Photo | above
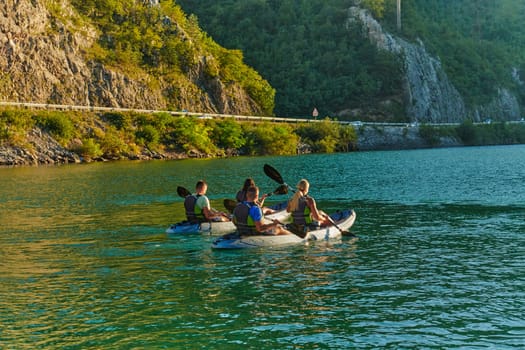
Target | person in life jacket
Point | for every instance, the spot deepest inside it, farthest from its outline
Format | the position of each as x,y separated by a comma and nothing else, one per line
241,196
248,217
198,207
304,209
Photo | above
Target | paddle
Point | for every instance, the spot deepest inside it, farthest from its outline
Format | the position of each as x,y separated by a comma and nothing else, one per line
229,204
283,189
344,233
181,191
272,173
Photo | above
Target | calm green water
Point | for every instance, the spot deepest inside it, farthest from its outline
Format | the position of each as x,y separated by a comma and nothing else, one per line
439,261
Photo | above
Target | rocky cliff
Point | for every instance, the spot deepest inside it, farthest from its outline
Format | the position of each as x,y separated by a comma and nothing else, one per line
430,97
40,149
43,59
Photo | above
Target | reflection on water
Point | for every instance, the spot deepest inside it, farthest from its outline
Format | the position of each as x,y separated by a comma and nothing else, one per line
438,261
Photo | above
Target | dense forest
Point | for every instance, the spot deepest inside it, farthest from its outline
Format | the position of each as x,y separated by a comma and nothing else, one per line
304,50
313,56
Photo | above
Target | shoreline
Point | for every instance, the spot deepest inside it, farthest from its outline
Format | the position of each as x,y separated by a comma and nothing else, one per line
42,149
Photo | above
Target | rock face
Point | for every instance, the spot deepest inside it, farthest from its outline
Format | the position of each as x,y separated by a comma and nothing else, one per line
43,149
42,60
504,106
430,97
397,137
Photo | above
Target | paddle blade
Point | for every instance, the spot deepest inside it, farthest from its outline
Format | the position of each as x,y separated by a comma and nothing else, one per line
349,234
273,174
229,204
283,189
181,191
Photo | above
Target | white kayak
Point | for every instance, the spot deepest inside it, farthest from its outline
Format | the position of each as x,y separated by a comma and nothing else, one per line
344,220
224,227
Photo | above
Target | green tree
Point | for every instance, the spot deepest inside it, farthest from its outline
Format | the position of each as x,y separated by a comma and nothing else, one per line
270,139
148,135
57,124
228,134
467,132
190,135
377,7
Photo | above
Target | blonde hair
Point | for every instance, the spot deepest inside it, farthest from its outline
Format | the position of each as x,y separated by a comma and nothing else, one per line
302,187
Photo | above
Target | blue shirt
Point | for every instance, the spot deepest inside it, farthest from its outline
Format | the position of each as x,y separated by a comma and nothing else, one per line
255,211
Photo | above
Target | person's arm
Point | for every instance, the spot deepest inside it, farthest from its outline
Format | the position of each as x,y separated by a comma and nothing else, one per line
207,213
265,227
316,215
257,216
211,213
260,202
204,203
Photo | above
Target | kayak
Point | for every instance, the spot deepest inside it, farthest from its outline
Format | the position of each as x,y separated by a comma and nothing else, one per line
343,219
223,227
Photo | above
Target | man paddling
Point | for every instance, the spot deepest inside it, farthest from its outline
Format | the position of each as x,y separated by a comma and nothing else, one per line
198,207
248,216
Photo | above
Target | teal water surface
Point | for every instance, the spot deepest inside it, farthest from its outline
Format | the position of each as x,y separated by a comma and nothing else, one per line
439,261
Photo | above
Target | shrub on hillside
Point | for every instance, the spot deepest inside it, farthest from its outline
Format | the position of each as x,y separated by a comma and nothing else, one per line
227,134
429,134
89,149
58,124
192,135
122,121
326,136
467,132
147,135
270,139
113,145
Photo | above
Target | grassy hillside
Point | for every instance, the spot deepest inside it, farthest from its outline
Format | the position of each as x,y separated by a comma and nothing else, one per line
135,36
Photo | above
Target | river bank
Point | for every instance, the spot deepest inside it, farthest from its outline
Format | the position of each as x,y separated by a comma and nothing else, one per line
33,138
41,148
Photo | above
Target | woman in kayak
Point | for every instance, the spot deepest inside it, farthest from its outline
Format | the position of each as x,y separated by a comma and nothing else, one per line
248,217
241,196
304,209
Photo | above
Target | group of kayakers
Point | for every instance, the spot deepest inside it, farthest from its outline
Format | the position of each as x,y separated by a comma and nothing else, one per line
249,212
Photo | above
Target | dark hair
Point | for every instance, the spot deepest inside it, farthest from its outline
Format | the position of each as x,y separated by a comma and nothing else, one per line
248,183
200,184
